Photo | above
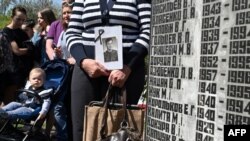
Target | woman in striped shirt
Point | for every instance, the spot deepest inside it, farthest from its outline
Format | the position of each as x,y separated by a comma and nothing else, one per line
90,79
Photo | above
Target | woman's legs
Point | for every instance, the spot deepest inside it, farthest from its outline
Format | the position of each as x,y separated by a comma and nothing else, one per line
82,92
135,85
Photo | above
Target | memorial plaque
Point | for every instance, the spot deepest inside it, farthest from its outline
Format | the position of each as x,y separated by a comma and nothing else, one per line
199,69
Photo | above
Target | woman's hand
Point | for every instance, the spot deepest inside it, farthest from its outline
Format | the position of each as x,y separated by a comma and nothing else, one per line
119,77
71,61
93,68
58,52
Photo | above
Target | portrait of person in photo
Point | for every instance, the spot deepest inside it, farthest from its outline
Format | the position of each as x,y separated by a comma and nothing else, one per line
110,49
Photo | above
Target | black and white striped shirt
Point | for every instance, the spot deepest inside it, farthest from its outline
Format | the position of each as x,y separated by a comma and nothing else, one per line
132,15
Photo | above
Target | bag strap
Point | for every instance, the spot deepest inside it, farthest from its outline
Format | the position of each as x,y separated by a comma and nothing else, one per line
105,114
106,101
124,123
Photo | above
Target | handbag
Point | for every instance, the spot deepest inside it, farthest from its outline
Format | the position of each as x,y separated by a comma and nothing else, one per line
106,121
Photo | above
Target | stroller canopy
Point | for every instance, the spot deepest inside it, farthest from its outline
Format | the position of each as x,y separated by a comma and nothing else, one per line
57,72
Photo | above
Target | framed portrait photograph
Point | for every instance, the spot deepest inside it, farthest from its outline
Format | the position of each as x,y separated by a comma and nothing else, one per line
108,46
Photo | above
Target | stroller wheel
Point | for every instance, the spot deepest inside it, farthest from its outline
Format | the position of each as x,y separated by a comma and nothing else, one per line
11,134
38,136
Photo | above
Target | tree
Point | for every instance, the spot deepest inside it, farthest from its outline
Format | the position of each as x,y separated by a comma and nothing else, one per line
4,21
4,6
32,7
40,3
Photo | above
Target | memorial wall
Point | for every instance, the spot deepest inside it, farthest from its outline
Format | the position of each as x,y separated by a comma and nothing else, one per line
199,69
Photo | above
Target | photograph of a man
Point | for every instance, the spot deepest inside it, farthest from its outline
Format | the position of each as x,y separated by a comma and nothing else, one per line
110,50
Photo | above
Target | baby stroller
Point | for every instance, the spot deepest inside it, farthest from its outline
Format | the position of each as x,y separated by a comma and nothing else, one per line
57,72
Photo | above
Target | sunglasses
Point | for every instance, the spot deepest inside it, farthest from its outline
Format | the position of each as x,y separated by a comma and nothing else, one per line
64,3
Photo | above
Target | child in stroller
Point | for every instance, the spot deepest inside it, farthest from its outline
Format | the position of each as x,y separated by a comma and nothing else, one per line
56,79
29,104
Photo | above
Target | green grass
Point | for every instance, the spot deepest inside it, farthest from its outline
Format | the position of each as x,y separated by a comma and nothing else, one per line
4,21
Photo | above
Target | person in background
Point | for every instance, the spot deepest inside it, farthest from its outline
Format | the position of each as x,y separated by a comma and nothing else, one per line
45,18
6,63
61,51
56,29
52,38
21,53
90,79
56,48
28,27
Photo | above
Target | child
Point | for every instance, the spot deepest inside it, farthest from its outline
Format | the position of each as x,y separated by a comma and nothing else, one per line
16,110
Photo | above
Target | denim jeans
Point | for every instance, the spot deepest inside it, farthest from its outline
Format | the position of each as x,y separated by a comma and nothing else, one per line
17,110
60,121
